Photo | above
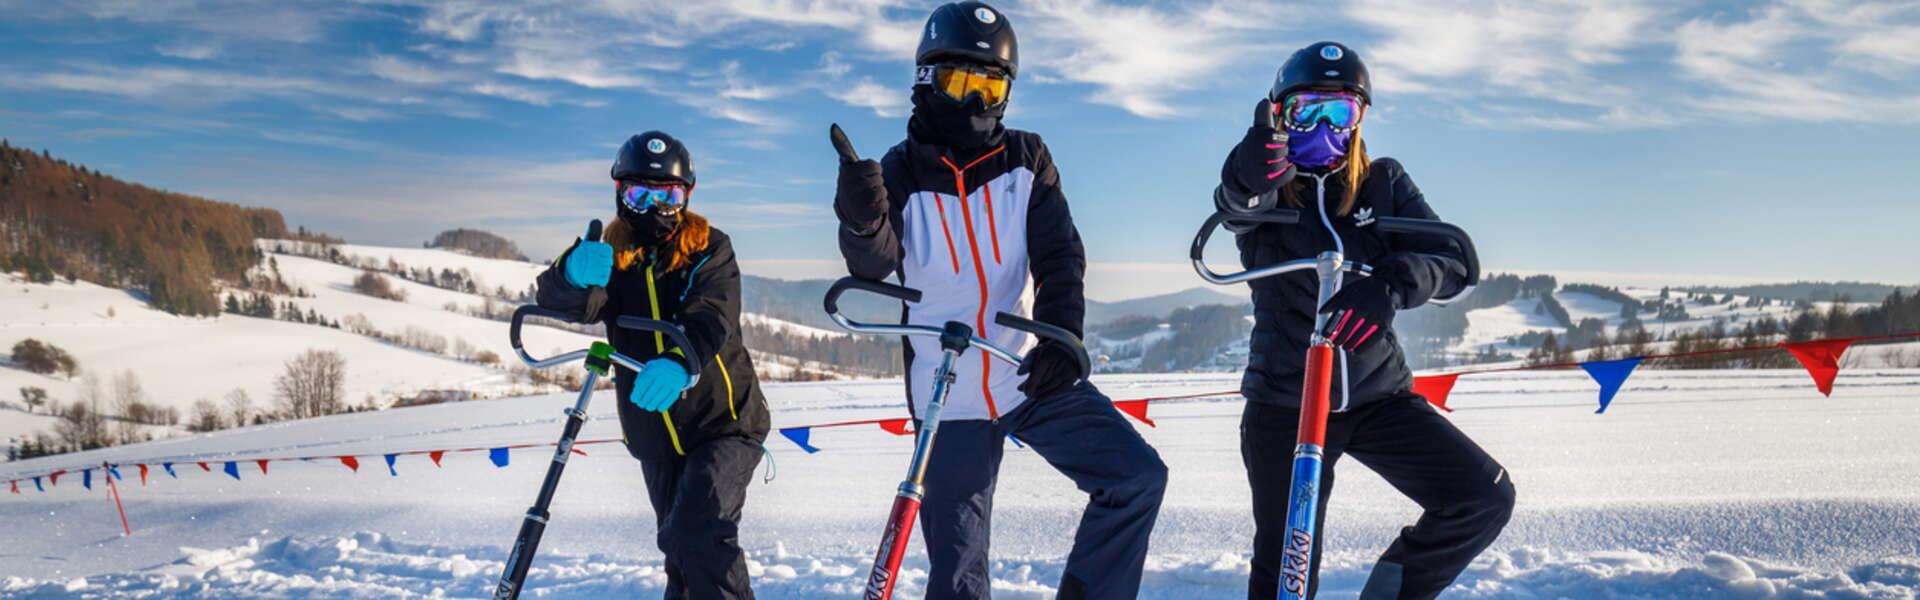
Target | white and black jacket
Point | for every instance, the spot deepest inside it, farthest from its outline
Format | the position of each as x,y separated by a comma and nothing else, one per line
984,232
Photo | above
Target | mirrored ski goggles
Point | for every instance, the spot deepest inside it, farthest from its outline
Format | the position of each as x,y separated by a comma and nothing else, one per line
1302,111
641,197
959,81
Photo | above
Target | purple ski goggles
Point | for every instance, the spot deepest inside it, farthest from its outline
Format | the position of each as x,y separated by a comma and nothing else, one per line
641,197
1301,111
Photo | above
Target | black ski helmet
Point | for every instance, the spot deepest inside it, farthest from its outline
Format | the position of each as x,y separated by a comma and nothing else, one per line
654,156
969,30
1320,65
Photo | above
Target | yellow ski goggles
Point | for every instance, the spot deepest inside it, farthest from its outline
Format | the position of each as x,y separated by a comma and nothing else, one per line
959,81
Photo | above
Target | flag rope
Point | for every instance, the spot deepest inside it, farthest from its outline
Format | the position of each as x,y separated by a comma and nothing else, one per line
894,425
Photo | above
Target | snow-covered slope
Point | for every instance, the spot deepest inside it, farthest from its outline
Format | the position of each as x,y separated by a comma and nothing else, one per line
182,359
1498,325
1694,485
179,360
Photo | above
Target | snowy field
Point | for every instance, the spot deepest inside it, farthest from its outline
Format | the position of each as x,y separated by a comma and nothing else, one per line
1693,485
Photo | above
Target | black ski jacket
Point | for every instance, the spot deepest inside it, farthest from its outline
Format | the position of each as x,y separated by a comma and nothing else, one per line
977,232
1420,268
704,300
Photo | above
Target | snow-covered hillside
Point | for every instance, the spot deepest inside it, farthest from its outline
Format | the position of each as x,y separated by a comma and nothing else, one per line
179,360
1500,325
1694,485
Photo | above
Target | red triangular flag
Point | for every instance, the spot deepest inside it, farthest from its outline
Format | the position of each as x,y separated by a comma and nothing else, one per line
351,463
263,465
143,475
578,451
54,477
1822,360
435,455
204,467
1435,388
1136,409
896,426
15,484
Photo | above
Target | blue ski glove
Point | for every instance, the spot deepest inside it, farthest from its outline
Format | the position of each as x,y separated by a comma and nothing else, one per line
658,385
590,264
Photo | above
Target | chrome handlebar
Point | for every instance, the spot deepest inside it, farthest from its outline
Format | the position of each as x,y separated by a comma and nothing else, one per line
906,294
1400,225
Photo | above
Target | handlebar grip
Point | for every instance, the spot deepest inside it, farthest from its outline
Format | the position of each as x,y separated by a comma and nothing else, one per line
878,287
673,332
1404,225
525,310
1051,332
1278,216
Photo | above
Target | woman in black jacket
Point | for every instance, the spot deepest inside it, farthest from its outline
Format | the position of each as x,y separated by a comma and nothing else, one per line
1314,161
697,450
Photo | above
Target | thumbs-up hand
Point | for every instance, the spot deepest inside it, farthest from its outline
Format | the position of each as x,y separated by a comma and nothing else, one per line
590,263
1258,164
860,199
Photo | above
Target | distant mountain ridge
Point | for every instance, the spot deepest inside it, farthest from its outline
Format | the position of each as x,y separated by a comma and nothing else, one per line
1810,291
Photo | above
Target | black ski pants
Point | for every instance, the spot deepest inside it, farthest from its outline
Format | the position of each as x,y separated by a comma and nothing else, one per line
1466,495
697,500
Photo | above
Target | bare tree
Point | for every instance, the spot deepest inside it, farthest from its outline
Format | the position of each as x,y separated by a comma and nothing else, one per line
82,426
313,384
205,417
239,406
92,412
129,401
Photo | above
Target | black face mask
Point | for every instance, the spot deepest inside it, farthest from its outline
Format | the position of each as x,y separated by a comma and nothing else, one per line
651,228
941,121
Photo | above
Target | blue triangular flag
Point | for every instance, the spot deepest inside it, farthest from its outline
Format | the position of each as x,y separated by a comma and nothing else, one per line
114,470
86,478
1016,441
498,456
232,470
1610,375
390,469
169,469
37,486
799,436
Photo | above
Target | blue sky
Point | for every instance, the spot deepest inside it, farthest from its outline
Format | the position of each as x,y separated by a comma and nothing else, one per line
1603,140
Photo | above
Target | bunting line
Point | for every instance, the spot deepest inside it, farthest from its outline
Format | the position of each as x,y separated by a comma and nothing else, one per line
1821,359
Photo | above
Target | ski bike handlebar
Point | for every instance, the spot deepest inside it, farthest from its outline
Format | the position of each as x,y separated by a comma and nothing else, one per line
907,294
1400,225
674,335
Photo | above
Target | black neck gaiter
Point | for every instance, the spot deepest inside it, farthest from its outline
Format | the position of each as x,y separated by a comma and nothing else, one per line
940,121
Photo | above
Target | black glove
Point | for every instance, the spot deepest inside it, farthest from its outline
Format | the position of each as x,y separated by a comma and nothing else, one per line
1049,368
1258,164
1360,313
861,198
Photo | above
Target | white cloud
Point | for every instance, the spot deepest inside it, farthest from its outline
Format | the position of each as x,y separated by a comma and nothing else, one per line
189,50
401,70
1599,65
1140,57
1550,53
884,100
834,80
1805,61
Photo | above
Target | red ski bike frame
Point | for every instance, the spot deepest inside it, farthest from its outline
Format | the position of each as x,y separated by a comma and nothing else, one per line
1303,503
955,338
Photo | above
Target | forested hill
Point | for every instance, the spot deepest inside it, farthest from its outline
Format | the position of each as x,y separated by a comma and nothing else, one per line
59,219
1810,291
